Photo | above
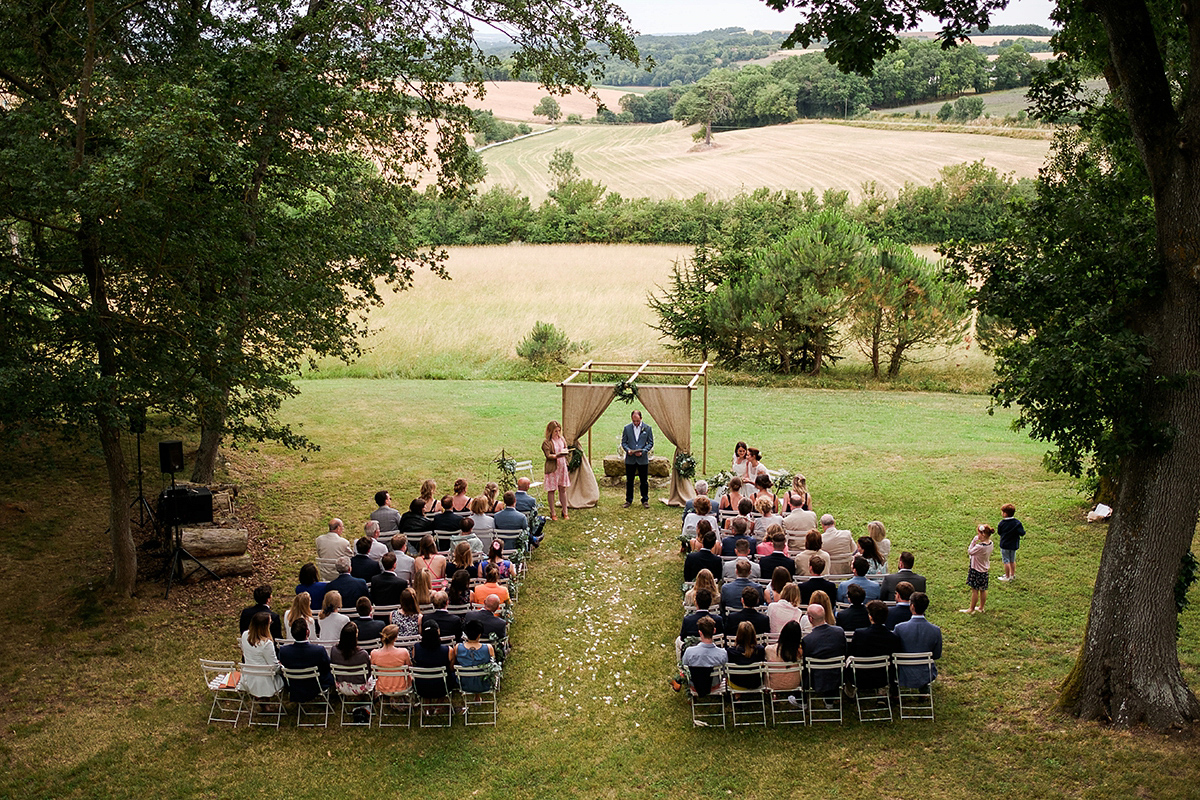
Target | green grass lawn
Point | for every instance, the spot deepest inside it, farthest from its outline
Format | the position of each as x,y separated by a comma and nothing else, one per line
103,698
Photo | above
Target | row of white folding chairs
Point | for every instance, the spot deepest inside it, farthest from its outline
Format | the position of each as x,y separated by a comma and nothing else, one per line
382,707
806,704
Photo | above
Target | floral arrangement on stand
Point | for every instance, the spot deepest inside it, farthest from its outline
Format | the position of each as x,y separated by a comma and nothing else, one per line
507,467
625,391
685,465
783,481
718,482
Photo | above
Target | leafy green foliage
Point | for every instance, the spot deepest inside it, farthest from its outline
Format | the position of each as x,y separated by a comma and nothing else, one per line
489,129
548,107
546,345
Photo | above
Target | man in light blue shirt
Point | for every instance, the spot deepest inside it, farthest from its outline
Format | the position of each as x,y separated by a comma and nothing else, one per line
705,657
873,589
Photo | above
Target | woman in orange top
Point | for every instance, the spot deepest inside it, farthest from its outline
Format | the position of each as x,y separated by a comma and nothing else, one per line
388,655
492,586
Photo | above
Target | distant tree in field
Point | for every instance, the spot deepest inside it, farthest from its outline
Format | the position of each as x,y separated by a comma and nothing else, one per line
707,102
548,107
571,191
968,108
1014,67
945,112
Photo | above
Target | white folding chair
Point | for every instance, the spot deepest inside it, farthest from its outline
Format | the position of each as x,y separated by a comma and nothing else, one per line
914,674
443,539
436,705
460,610
874,702
354,685
308,712
783,710
745,698
527,466
370,644
708,709
265,710
479,708
825,703
394,701
221,678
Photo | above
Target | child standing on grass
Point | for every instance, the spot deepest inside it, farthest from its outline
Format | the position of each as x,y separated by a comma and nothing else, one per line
1011,530
980,551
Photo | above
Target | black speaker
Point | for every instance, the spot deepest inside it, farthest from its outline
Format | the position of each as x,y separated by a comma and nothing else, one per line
137,420
170,456
185,505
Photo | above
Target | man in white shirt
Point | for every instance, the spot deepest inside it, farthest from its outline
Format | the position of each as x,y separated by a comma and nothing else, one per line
378,548
333,545
839,544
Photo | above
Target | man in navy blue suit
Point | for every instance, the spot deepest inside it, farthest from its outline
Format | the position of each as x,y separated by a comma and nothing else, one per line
637,441
305,654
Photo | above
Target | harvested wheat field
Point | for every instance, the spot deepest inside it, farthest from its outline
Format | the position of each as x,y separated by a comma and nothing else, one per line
514,100
662,161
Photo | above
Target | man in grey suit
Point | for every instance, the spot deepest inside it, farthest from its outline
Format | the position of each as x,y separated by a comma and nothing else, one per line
905,573
637,440
510,519
919,636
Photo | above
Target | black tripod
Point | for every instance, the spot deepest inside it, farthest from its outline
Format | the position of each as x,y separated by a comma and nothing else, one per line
180,553
142,506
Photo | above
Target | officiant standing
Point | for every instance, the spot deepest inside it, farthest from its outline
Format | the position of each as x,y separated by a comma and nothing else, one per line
637,441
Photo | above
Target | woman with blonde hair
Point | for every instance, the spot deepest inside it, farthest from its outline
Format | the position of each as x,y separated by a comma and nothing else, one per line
460,501
430,560
407,618
331,621
492,491
820,598
462,558
798,496
484,525
388,655
732,497
704,580
429,497
812,547
301,609
883,545
554,448
786,608
422,587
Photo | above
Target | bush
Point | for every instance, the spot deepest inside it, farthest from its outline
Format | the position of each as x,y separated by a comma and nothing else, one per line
546,345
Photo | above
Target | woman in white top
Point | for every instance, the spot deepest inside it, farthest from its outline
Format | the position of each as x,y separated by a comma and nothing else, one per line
786,608
484,524
331,621
883,545
764,505
702,509
258,649
753,466
301,609
740,462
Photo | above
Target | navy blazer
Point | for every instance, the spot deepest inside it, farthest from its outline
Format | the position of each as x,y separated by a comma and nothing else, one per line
349,587
919,636
300,656
645,443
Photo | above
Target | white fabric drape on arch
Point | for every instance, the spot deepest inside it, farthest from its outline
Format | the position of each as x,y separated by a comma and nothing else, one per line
671,409
583,404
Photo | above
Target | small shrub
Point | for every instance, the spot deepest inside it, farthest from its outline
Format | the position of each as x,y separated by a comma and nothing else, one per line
546,345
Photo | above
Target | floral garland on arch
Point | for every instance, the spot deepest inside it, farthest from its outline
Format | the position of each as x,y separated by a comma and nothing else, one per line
575,460
685,465
625,391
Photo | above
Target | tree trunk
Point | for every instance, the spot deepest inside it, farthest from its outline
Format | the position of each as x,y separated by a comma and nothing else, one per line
212,429
708,133
896,360
1128,668
124,568
876,332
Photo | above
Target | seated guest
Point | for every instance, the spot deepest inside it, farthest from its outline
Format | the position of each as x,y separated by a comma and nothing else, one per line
460,588
495,559
744,652
347,653
703,604
905,573
489,587
749,613
919,635
731,592
484,524
824,601
860,578
742,551
778,557
739,529
839,544
331,621
732,497
690,505
463,557
704,558
407,618
817,581
525,502
473,653
854,617
387,517
301,610
466,527
459,501
798,498
446,523
387,585
701,509
704,580
332,544
812,547
786,609
872,641
346,585
258,649
262,601
449,624
787,650
389,655
414,520
491,490
378,548
883,545
762,486
825,641
302,655
902,611
745,509
429,497
704,660
430,559
368,627
309,583
429,652
492,625
509,519
362,565
779,579
423,589
866,549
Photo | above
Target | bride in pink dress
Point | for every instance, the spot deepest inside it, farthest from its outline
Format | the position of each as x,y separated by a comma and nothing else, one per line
554,447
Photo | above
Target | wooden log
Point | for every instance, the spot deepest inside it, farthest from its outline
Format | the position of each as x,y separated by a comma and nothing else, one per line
215,542
224,566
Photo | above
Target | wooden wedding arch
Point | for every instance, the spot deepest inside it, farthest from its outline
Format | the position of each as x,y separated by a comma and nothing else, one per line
668,404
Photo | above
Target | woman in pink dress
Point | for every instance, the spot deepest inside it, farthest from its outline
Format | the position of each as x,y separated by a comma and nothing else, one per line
554,447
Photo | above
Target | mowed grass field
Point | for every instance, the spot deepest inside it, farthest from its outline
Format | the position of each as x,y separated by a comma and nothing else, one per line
469,326
661,161
102,698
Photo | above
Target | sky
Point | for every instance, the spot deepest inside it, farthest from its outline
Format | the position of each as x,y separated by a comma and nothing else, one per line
693,16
